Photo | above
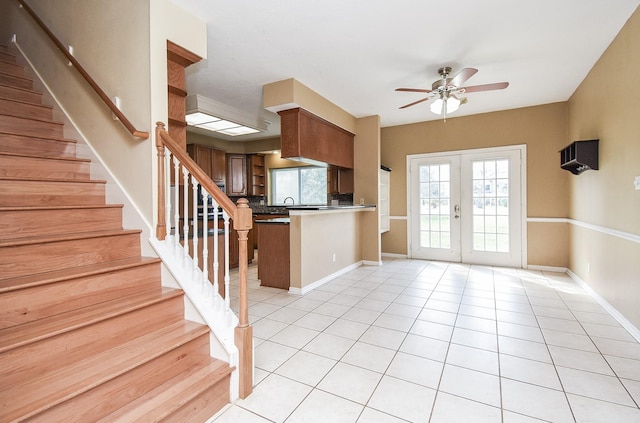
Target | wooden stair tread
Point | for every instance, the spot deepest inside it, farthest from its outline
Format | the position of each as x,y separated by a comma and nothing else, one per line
68,382
36,156
172,395
37,330
46,138
23,78
22,282
97,206
35,179
20,88
65,237
33,119
29,103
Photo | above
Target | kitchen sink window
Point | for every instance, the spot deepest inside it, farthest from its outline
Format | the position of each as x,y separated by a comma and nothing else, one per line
299,185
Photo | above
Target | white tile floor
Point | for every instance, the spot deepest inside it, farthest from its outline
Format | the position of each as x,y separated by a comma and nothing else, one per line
419,341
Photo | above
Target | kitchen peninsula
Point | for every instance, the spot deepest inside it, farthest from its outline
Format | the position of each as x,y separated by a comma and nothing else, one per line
325,241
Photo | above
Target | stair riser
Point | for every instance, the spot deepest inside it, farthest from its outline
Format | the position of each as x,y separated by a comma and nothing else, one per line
26,110
20,94
37,258
14,143
27,223
205,405
30,127
50,193
35,167
38,302
30,361
110,396
11,69
16,81
7,57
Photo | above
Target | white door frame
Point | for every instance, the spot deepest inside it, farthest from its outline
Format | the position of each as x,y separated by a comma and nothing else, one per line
522,148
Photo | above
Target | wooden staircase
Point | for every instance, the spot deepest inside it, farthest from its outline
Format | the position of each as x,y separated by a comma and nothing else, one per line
87,332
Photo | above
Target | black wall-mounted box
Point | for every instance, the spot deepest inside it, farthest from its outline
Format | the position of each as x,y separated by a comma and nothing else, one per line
580,156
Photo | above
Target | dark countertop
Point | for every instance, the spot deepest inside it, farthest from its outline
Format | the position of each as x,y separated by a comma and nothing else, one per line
340,207
277,220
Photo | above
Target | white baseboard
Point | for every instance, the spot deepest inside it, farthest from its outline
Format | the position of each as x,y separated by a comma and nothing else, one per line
394,255
548,268
608,307
371,263
320,282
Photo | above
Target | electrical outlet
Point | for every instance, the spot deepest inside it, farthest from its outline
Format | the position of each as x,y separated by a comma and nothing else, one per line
588,267
334,257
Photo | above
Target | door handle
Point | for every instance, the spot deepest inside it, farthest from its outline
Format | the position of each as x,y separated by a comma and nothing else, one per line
456,210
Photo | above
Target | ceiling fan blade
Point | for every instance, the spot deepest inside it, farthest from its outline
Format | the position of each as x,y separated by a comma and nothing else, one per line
413,90
462,76
485,87
415,102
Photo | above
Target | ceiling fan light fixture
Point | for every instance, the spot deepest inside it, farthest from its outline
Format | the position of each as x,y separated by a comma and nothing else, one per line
436,106
452,104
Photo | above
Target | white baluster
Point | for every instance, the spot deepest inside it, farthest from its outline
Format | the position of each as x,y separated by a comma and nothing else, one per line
185,220
205,233
176,208
227,303
167,184
216,263
194,185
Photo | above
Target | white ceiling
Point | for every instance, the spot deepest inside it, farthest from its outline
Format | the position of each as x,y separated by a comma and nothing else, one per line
356,52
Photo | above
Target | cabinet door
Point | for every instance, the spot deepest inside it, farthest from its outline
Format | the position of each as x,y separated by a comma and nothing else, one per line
340,180
202,156
218,166
236,174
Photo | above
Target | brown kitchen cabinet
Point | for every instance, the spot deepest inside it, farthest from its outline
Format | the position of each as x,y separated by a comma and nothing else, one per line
340,180
256,174
236,175
210,160
274,259
307,136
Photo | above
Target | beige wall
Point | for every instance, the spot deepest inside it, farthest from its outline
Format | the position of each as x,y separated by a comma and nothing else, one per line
122,45
315,238
606,106
367,182
544,131
120,66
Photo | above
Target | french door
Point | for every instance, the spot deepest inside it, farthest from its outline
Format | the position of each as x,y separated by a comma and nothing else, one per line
467,206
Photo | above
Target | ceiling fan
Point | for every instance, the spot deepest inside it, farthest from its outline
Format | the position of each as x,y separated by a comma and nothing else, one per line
447,90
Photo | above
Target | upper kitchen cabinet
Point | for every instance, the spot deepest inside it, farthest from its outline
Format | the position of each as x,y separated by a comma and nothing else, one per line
236,174
255,174
210,160
340,180
307,137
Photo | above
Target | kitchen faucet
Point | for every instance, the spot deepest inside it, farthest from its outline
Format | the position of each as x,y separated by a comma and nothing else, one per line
293,202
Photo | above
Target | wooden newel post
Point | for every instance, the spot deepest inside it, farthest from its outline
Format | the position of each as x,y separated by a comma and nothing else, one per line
242,222
161,227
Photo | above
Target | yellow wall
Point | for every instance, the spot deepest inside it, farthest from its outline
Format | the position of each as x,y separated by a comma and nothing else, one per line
544,131
607,106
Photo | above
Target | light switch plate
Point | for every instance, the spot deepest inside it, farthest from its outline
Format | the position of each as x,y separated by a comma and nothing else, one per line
636,183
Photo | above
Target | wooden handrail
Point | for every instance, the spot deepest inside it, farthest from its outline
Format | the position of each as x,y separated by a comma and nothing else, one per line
85,75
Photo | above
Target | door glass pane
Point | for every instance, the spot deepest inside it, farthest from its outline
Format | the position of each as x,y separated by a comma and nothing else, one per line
435,206
491,205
